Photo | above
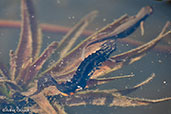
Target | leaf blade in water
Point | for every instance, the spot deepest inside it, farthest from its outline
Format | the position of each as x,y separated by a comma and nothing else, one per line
35,67
35,29
24,49
118,61
74,57
74,33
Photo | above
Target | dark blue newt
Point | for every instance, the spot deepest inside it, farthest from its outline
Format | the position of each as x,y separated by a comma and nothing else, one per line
91,63
129,26
83,73
87,68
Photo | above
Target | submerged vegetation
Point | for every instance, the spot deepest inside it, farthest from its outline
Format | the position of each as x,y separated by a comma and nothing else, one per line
69,80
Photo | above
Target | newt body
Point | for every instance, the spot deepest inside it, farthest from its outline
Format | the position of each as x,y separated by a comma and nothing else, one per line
83,73
93,61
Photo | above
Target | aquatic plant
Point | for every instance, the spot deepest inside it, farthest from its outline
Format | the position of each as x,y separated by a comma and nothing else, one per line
67,81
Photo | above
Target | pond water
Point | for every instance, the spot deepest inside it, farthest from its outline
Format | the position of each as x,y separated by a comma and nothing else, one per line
68,12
